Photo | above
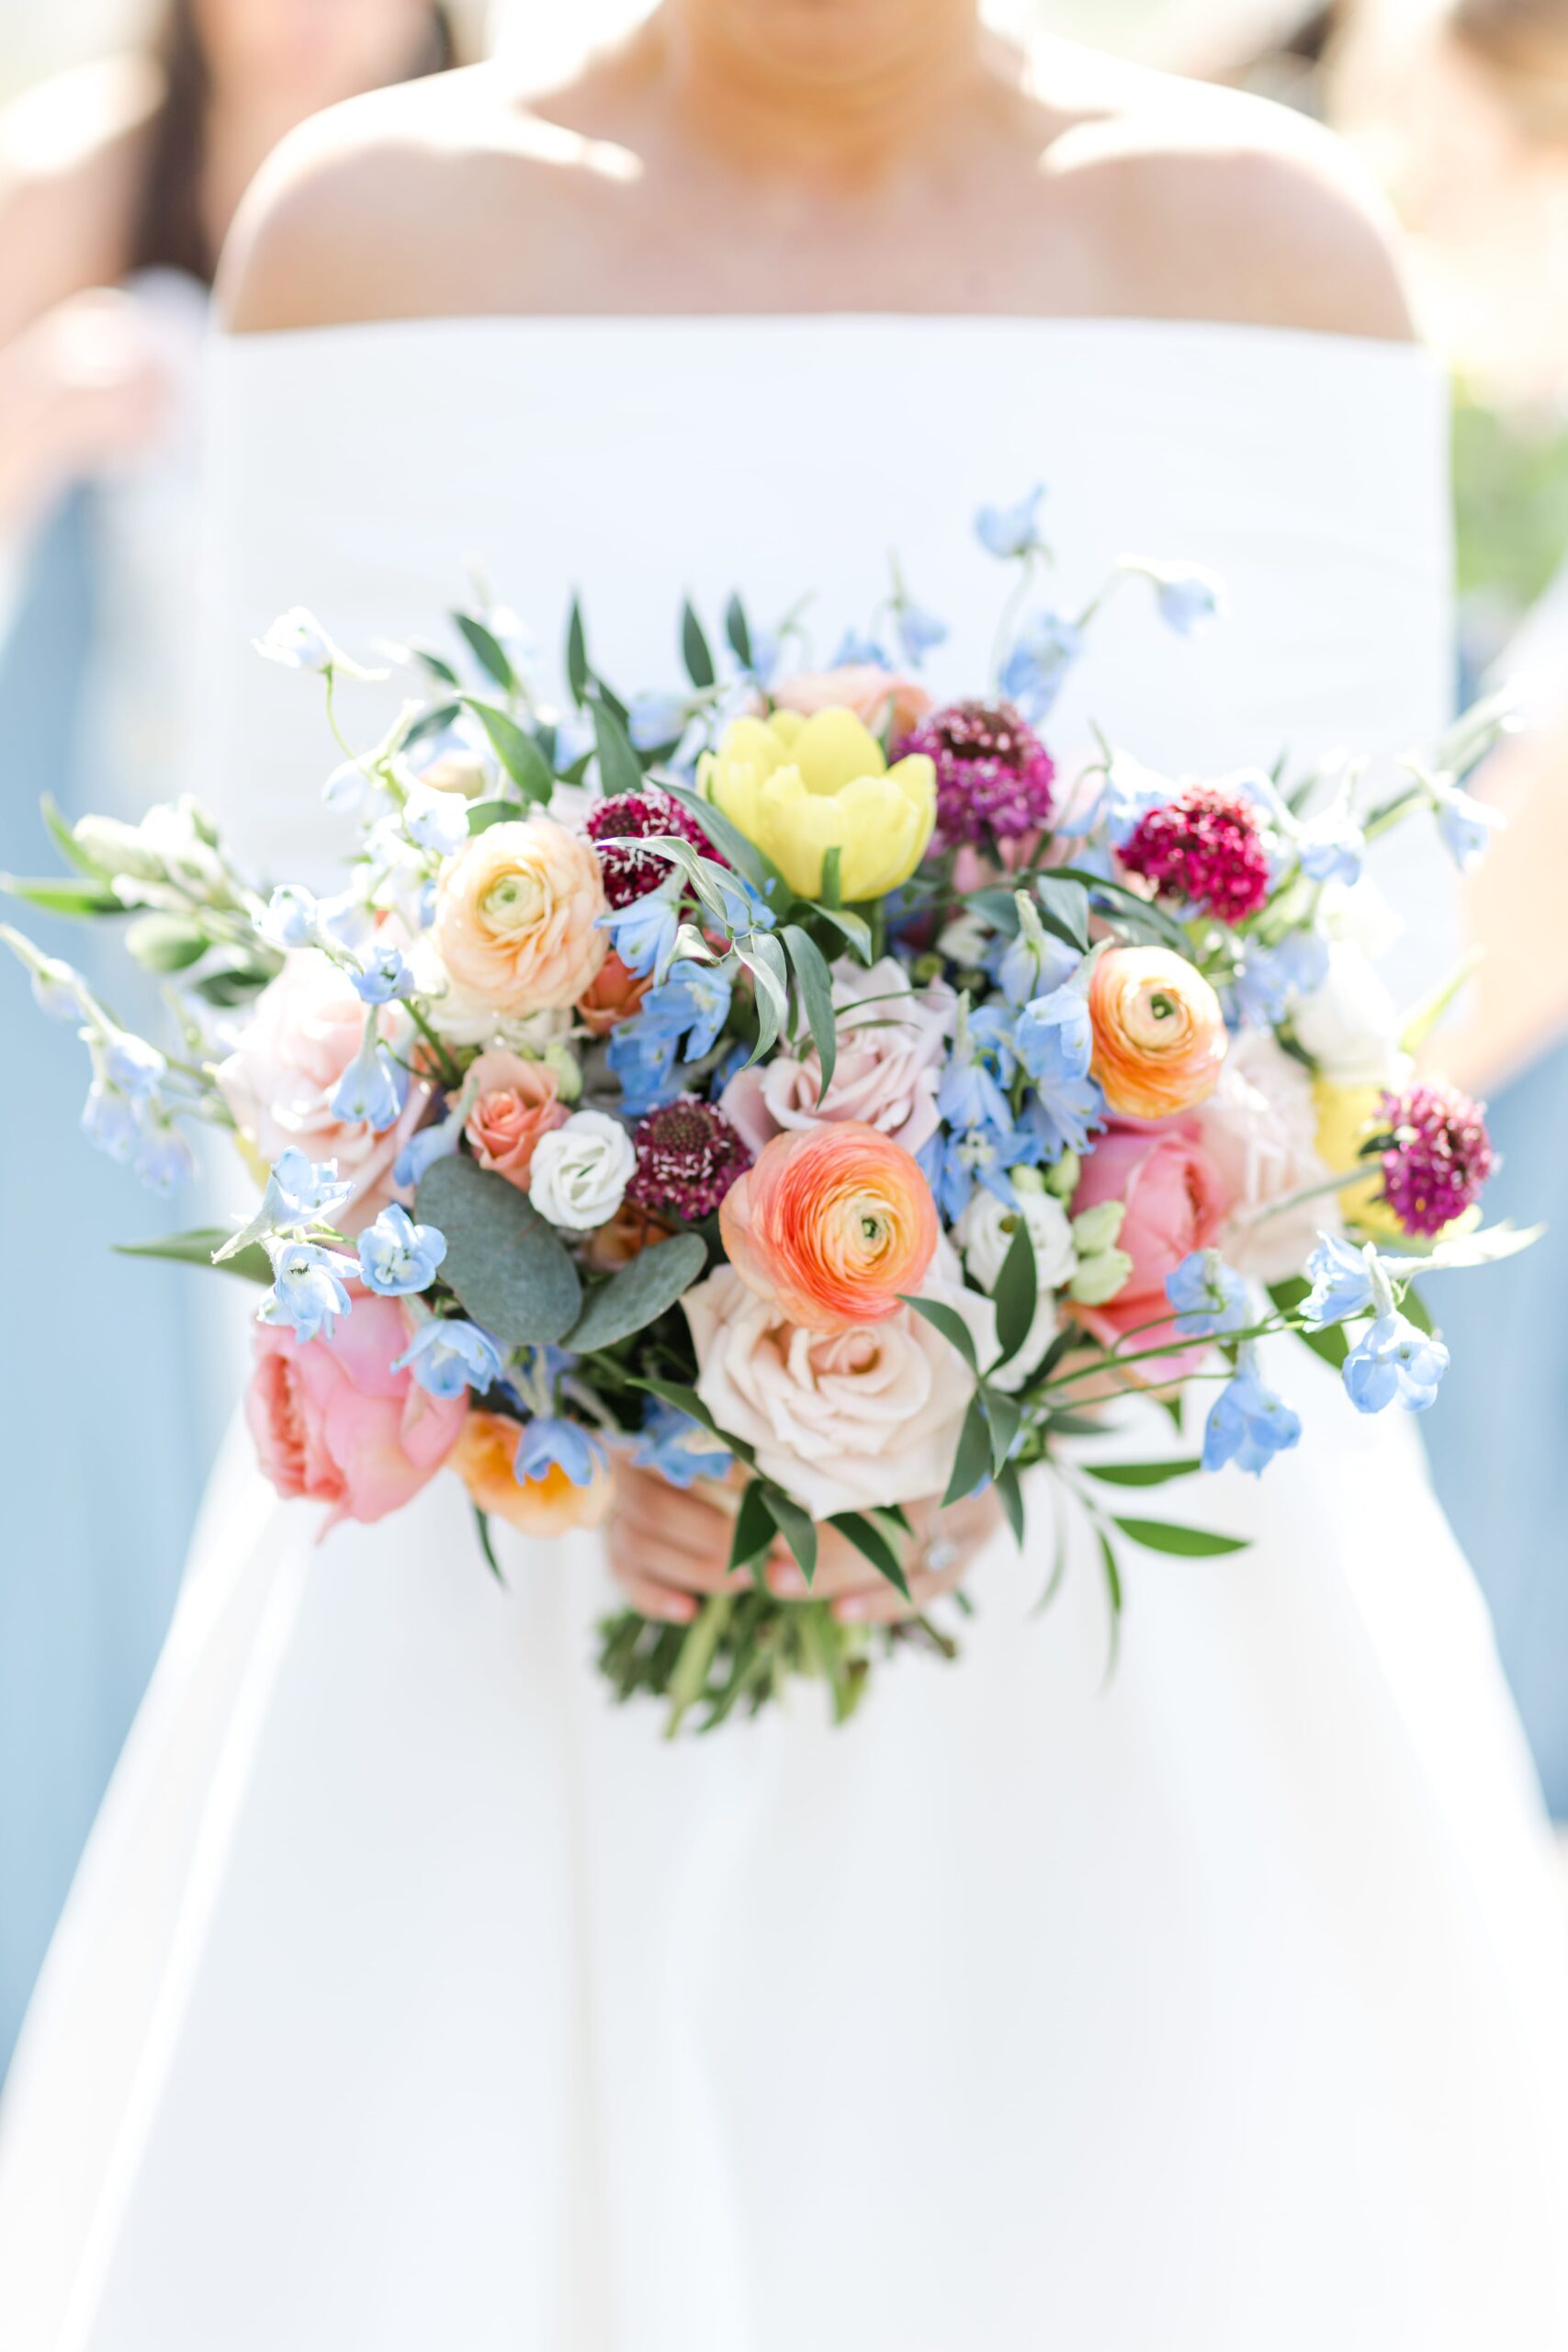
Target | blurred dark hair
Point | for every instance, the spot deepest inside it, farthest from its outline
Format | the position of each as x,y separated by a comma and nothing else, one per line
167,230
1524,45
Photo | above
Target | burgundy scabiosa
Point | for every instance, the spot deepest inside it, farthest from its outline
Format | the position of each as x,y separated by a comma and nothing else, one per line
632,873
993,774
688,1155
1205,849
1439,1158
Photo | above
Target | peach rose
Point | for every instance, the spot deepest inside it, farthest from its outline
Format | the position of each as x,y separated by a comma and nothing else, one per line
333,1421
883,700
1176,1202
831,1224
629,1232
515,912
511,1104
1159,1035
612,996
281,1079
846,1420
485,1460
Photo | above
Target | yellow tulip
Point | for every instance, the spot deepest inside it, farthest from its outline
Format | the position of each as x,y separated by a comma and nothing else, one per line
1347,1116
801,786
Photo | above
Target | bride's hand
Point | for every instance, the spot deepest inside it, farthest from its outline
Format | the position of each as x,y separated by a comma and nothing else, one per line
668,1547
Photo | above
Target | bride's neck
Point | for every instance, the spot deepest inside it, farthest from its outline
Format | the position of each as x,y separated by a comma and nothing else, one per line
821,105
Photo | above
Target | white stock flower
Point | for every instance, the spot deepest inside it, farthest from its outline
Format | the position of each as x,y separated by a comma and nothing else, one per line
580,1171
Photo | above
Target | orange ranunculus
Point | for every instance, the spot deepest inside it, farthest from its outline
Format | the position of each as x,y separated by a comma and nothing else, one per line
1159,1035
832,1223
613,996
516,916
484,1458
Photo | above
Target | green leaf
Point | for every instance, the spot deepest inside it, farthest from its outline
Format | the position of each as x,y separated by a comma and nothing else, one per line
726,836
507,1267
577,670
195,1249
482,1528
755,1526
855,929
1004,1417
483,814
1064,908
797,1528
1112,1583
232,983
738,630
868,1538
433,722
640,1293
65,841
1010,1495
166,942
437,664
515,749
63,898
1131,910
771,984
951,1324
694,650
1185,1543
620,770
1000,908
686,1400
1417,1308
489,652
1139,1474
972,1461
1017,1294
816,983
1331,1343
831,890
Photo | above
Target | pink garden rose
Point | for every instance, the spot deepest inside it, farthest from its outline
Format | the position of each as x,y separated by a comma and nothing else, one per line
511,1104
333,1421
880,699
281,1077
1176,1202
892,1042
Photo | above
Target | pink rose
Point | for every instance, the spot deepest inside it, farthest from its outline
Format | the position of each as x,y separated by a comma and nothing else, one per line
280,1080
1176,1202
881,699
1260,1131
892,1042
332,1420
511,1104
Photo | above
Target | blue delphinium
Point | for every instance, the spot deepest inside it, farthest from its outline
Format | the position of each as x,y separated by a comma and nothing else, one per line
372,1090
551,1443
1261,990
1189,597
1466,825
398,1258
424,1148
306,1292
1342,1281
435,821
691,1004
953,1165
383,974
300,1193
1394,1362
655,720
163,1159
1056,1045
643,932
1210,1297
109,1120
130,1063
1036,963
980,1069
1036,668
1011,531
919,632
448,1355
644,1066
680,1449
1248,1423
1332,848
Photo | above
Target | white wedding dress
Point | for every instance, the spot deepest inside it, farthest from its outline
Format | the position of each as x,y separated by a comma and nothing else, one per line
411,1997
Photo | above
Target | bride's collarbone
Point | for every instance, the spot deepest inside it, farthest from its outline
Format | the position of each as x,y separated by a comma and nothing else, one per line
396,207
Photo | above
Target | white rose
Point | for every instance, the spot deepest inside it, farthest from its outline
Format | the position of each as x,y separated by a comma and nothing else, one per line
1259,1128
1351,1025
580,1179
844,1421
984,1234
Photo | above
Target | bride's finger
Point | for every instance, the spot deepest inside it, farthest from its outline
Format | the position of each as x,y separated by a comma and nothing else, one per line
651,1598
672,1564
883,1604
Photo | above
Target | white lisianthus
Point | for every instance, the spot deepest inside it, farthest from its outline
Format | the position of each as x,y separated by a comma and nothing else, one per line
298,640
1351,1025
580,1171
985,1232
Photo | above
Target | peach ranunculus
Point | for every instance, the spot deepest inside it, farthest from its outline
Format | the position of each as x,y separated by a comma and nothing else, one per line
305,1029
1159,1034
846,1420
334,1422
1176,1201
511,1104
485,1459
892,1042
883,700
612,996
515,917
831,1223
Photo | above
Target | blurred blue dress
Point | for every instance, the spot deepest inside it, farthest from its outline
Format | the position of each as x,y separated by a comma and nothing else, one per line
103,1437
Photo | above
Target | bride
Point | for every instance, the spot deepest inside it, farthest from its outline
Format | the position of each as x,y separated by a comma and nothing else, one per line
408,1995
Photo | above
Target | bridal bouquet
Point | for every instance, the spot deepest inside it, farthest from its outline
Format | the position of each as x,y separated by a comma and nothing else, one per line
790,1083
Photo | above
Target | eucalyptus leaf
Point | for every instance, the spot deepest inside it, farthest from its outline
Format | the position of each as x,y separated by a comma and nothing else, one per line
816,982
515,749
694,650
196,1248
487,651
620,770
508,1270
640,1293
1183,1543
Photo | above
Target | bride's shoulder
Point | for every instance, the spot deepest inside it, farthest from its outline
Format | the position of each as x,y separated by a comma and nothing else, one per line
1209,203
363,212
